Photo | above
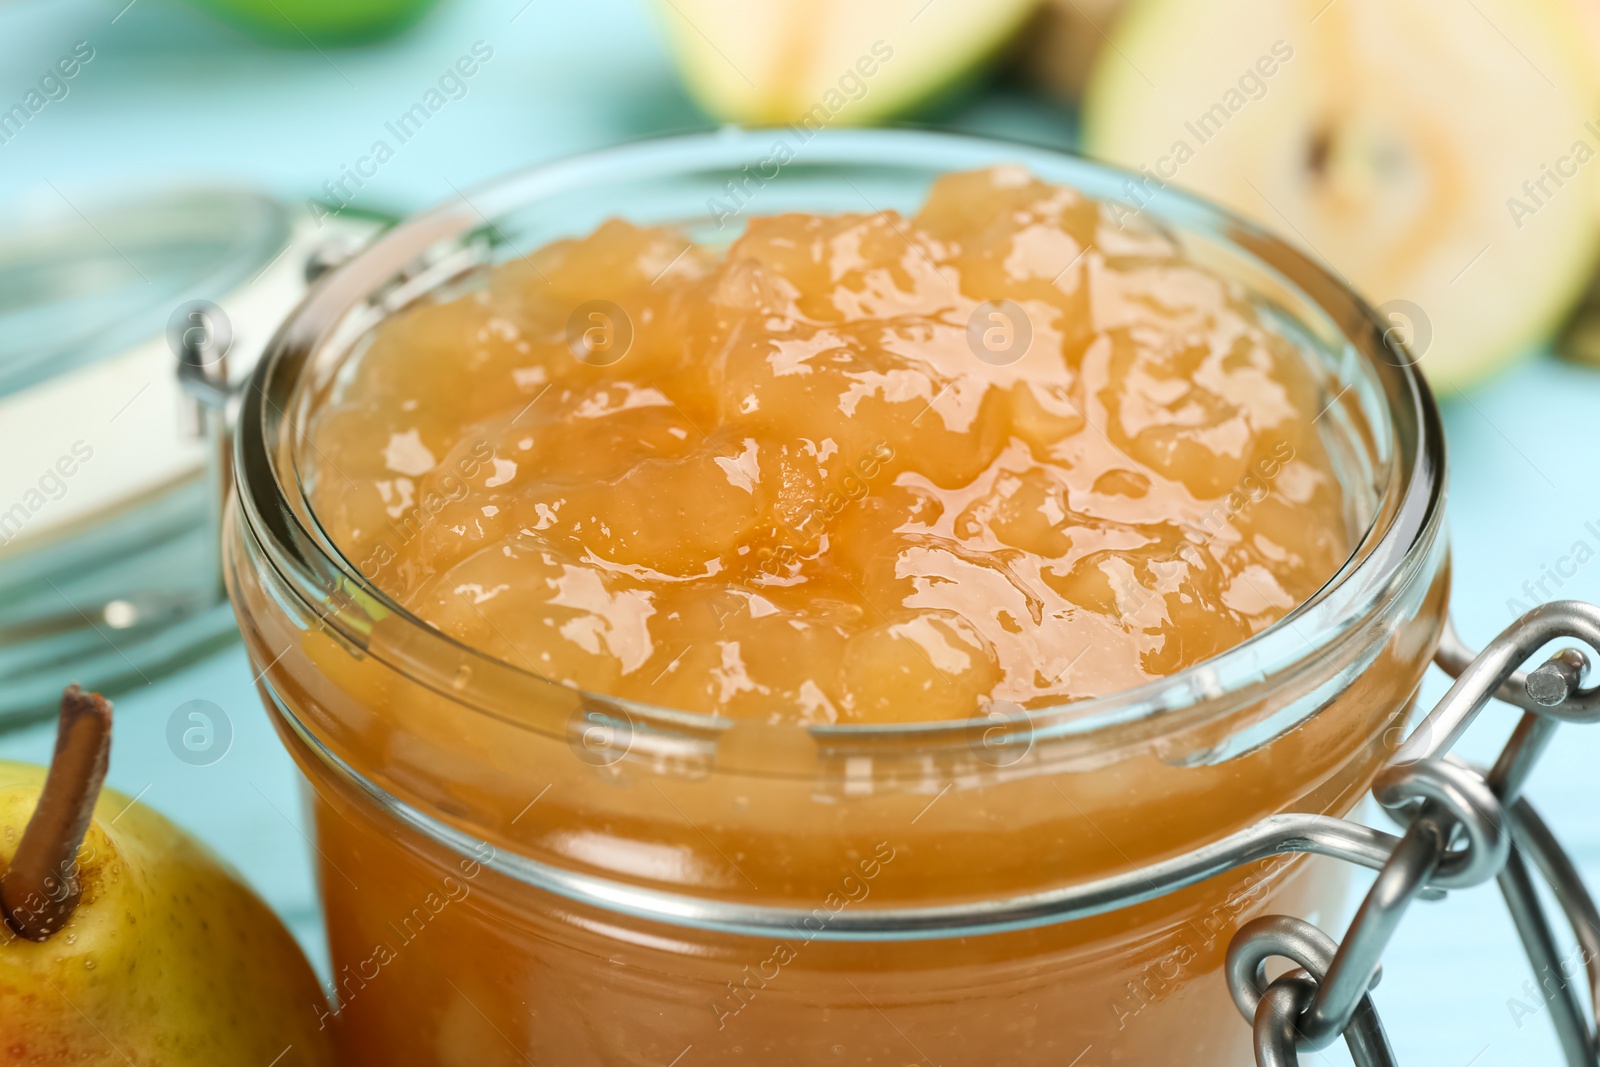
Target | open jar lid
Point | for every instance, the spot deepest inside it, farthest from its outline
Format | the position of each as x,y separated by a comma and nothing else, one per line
109,475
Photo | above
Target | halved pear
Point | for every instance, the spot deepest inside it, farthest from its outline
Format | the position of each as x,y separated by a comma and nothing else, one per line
1440,156
830,61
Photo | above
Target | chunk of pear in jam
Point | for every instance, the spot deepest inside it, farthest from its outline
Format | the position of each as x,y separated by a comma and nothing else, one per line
124,940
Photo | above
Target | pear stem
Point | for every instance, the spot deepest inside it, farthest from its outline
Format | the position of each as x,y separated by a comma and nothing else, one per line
40,889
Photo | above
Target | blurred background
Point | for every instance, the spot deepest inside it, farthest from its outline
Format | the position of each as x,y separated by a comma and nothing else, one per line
1438,154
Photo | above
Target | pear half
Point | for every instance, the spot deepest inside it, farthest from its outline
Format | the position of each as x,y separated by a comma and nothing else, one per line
830,61
1441,156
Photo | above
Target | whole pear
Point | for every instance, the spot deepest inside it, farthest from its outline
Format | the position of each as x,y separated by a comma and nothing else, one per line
125,941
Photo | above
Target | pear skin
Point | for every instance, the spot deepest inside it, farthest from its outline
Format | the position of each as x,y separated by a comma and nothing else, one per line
167,960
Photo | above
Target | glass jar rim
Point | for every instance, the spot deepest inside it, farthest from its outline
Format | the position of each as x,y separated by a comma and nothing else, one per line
365,289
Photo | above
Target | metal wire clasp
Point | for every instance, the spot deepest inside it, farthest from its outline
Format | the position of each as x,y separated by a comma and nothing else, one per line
1464,827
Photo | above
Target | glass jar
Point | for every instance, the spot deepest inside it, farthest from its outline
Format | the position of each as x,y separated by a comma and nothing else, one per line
519,872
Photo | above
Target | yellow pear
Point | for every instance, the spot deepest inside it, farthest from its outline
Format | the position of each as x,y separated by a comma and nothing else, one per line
818,63
1443,158
126,942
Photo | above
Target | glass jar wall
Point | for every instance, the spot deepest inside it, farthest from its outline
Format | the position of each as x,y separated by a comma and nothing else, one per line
517,871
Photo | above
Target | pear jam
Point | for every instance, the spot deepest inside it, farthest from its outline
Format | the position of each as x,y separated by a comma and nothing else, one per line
722,550
846,469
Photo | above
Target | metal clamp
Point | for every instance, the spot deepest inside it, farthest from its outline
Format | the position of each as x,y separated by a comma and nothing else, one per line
1464,826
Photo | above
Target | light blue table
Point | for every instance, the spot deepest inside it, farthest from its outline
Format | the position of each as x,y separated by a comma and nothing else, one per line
171,96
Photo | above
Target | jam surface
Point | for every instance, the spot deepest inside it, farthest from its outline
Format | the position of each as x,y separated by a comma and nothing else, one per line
852,468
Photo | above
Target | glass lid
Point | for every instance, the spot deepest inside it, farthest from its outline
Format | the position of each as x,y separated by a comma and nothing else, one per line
79,283
111,473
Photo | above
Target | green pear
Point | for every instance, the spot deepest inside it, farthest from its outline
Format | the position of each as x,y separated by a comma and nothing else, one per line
316,23
125,941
